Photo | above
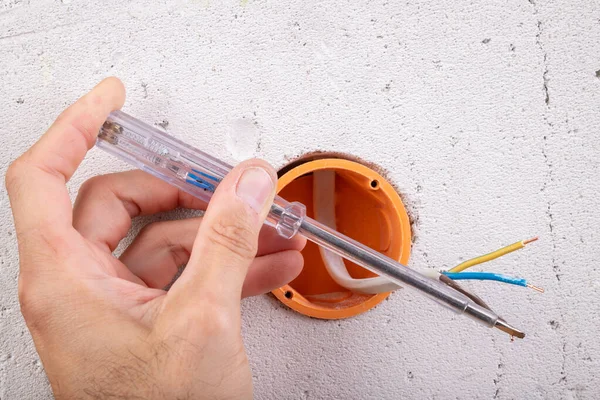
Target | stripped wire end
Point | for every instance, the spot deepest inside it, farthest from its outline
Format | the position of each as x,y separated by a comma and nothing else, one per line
539,289
530,240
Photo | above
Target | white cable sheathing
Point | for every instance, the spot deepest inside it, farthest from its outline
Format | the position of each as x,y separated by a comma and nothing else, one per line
324,206
430,273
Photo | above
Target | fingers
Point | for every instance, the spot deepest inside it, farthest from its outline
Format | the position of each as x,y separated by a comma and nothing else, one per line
36,180
227,240
162,247
269,272
269,242
106,204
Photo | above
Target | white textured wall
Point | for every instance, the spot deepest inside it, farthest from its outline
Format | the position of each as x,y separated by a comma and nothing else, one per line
485,113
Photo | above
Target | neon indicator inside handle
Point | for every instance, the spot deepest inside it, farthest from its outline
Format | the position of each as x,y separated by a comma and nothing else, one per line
181,165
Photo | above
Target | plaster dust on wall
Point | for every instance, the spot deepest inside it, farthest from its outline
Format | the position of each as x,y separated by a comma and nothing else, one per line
243,139
484,115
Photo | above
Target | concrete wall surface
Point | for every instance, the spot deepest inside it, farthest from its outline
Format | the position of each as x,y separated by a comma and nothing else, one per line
485,113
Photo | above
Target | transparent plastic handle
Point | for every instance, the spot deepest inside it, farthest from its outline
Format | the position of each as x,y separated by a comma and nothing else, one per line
181,165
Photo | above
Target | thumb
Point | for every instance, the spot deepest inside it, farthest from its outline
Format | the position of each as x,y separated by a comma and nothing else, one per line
227,240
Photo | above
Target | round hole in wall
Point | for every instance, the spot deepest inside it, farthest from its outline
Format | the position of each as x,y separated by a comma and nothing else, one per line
367,209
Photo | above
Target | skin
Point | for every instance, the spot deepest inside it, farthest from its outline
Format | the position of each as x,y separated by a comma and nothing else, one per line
103,326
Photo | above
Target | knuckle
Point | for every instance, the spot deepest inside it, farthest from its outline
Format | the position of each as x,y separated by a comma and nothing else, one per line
221,323
236,236
31,307
14,175
211,319
83,124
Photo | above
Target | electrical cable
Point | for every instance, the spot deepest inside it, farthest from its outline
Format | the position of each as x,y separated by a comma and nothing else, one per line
454,285
324,208
491,256
490,276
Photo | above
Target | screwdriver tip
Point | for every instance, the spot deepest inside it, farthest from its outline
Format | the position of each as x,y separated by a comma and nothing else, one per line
505,327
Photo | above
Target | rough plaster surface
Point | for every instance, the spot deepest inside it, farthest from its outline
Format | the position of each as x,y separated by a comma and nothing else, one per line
485,113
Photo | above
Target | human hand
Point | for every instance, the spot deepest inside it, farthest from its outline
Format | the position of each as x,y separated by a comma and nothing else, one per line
102,325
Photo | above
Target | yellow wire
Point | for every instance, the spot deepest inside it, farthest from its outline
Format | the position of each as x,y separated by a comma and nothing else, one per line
490,256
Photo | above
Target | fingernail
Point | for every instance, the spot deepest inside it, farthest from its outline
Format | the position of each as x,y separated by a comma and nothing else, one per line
255,187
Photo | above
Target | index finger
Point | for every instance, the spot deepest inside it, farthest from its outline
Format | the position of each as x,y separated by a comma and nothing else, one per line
106,204
36,180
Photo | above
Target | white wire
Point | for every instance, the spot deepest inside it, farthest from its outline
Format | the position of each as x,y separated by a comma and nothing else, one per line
324,206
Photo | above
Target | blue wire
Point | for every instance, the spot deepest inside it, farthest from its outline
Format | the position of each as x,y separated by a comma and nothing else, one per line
209,185
206,175
201,184
486,276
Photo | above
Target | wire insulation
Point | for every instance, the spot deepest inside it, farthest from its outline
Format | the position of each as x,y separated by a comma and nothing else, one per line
487,276
491,256
454,285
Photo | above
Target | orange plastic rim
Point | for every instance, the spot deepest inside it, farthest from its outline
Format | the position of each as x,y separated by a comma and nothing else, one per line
369,210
